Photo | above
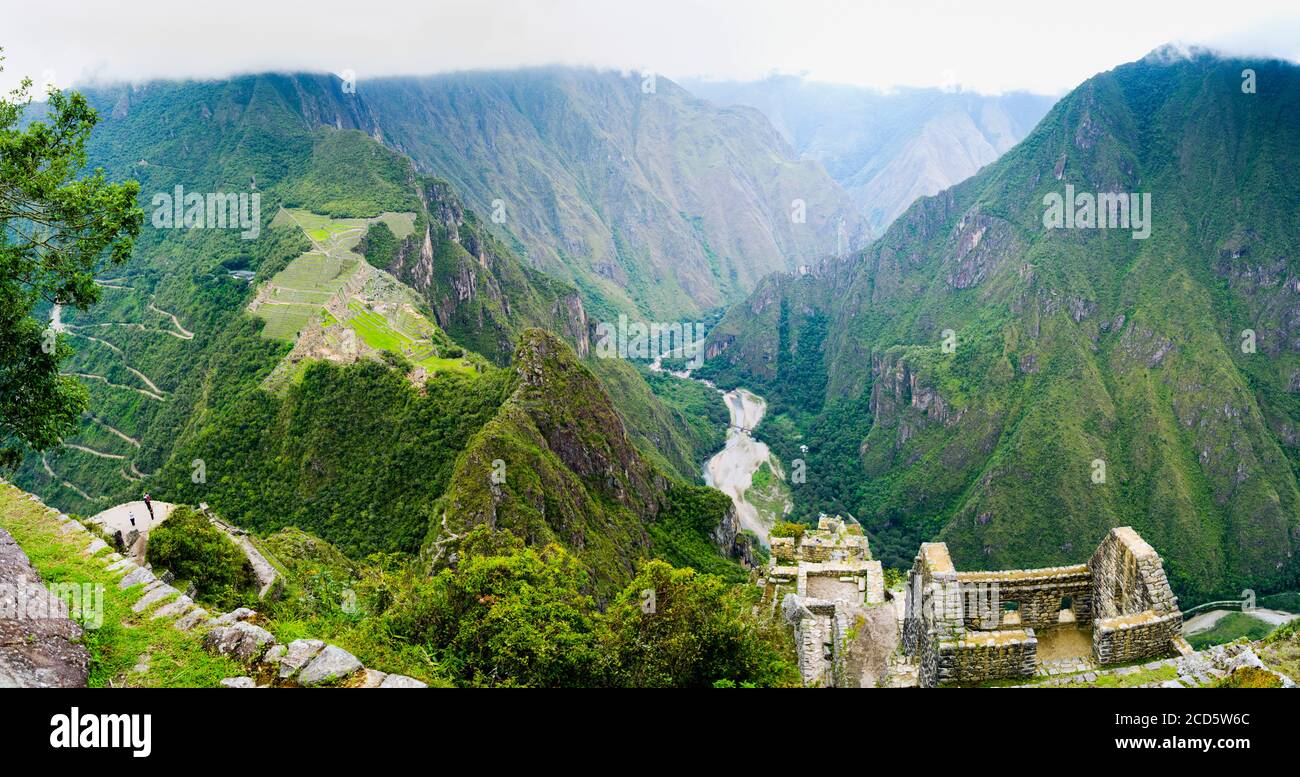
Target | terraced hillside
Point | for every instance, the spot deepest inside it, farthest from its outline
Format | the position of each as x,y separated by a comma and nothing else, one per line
332,304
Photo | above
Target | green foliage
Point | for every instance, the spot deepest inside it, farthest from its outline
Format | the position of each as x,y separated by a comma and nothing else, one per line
1232,626
1286,631
350,175
57,227
676,423
379,245
195,551
514,615
1249,677
356,455
788,529
693,632
682,534
1287,601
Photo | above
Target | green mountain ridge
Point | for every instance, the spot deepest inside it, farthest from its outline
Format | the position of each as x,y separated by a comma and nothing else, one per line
886,148
556,464
1072,347
355,453
648,200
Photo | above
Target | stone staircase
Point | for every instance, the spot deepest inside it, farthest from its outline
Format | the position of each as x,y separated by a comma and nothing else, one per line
301,663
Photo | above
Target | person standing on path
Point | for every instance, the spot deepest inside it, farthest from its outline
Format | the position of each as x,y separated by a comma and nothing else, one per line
148,505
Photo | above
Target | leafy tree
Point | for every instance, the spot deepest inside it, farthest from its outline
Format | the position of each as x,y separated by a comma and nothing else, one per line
506,615
692,632
379,246
55,229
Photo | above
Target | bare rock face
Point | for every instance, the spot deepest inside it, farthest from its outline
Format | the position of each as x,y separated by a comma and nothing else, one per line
39,645
729,537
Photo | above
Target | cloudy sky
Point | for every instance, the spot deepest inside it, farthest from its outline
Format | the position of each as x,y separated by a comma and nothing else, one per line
990,46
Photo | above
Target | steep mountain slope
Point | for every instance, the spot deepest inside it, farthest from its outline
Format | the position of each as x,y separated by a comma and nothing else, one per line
171,355
642,196
1092,379
556,464
886,149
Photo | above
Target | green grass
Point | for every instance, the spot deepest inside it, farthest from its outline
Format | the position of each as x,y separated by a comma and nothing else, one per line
1232,626
380,334
285,321
375,330
1137,678
304,286
176,659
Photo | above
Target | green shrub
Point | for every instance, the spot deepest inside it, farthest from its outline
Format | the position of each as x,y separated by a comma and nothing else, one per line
788,529
197,552
1250,677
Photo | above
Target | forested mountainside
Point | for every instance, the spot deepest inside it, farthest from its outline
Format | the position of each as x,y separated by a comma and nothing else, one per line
1016,391
647,199
886,148
329,373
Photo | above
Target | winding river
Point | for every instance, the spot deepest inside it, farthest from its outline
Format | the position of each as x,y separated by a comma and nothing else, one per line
731,470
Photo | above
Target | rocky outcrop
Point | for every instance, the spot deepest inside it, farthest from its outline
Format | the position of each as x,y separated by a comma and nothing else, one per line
242,641
40,646
901,396
730,539
479,291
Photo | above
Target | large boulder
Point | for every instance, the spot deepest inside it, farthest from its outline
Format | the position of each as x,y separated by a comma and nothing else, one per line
296,656
333,664
39,644
401,681
241,641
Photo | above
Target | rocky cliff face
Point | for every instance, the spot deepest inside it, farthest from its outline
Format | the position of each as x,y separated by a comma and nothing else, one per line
478,290
40,646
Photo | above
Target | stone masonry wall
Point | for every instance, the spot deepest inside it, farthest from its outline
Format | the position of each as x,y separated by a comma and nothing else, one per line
1128,638
987,656
934,612
1038,592
958,629
1128,577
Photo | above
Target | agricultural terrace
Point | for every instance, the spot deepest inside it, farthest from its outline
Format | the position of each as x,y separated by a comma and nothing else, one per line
308,283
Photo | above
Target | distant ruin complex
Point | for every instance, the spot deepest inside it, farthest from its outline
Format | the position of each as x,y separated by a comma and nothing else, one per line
824,581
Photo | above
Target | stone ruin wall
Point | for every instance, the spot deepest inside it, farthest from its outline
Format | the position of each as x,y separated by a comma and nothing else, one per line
1137,614
1038,592
823,583
1133,638
1010,653
932,624
958,630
